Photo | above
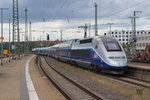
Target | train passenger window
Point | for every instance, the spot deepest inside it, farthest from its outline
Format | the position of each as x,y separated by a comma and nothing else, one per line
85,41
80,53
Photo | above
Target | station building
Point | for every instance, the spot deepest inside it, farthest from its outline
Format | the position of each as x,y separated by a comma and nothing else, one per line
141,41
124,36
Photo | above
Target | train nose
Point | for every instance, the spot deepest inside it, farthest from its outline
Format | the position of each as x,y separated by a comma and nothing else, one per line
118,63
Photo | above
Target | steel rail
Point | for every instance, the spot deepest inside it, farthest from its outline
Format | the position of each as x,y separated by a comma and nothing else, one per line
83,88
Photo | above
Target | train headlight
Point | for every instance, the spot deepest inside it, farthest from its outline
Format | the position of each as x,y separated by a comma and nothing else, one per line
95,56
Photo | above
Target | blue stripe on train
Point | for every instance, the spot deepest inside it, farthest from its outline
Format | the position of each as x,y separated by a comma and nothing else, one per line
96,61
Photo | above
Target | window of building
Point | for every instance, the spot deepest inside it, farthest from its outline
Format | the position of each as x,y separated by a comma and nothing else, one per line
149,32
137,32
123,36
126,39
143,44
139,38
119,39
119,35
116,36
146,38
116,32
126,32
122,39
130,32
139,44
112,32
112,35
130,35
126,35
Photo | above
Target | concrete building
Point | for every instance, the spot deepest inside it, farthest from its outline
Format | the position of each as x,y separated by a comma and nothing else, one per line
141,41
124,36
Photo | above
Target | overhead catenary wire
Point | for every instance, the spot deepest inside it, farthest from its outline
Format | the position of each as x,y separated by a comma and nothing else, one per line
122,10
58,12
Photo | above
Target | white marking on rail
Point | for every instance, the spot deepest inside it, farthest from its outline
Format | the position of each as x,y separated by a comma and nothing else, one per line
31,90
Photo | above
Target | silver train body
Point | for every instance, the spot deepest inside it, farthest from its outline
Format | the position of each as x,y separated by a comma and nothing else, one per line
99,53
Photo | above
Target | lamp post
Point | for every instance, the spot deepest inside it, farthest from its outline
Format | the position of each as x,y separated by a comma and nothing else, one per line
9,40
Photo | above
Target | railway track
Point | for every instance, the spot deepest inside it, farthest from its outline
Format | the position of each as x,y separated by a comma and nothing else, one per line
140,72
131,80
139,82
87,95
69,88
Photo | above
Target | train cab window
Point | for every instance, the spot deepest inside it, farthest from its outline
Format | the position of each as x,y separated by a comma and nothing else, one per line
111,44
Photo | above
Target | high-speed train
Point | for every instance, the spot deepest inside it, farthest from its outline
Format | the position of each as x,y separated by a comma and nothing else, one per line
102,53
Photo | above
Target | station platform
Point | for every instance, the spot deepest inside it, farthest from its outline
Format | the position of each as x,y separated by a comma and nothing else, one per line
22,80
139,65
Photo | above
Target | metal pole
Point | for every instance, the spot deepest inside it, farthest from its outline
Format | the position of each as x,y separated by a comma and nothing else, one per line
85,34
89,30
110,27
60,35
1,37
2,34
134,35
13,32
133,38
18,31
30,36
30,32
40,37
22,37
26,33
134,25
96,31
9,40
132,44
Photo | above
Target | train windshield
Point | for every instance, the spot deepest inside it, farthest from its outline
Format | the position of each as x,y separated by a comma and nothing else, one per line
111,44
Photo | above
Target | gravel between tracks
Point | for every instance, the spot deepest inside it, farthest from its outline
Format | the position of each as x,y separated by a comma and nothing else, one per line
74,92
88,83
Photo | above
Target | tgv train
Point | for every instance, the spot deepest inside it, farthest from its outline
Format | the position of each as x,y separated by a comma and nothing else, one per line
99,53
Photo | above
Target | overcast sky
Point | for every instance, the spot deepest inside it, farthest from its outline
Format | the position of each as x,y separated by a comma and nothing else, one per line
69,14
